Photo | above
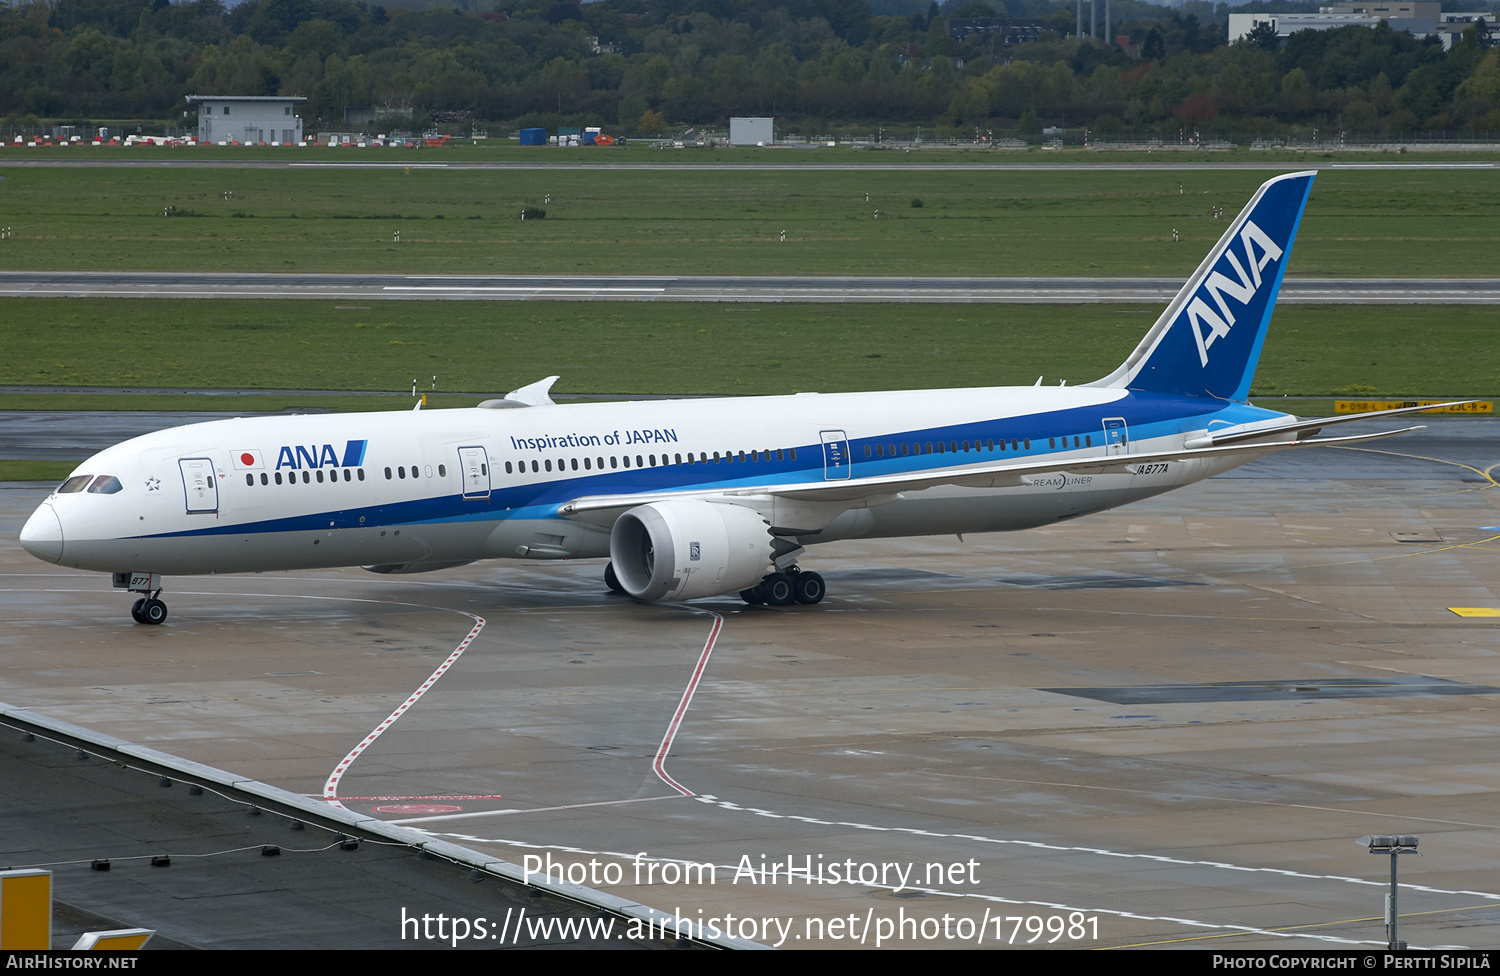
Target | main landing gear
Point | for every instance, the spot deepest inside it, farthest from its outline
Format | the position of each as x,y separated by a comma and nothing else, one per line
780,589
784,589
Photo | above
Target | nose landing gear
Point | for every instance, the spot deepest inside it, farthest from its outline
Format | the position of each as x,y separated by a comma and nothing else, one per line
149,609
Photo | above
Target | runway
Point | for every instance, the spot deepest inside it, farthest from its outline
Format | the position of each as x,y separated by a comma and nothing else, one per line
1054,291
1161,726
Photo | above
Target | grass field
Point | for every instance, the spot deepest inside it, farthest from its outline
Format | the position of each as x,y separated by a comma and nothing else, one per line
641,152
656,348
1359,223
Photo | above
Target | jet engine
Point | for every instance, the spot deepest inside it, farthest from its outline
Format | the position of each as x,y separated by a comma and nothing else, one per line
685,549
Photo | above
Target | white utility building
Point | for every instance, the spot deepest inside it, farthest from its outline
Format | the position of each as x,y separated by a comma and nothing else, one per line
248,119
752,132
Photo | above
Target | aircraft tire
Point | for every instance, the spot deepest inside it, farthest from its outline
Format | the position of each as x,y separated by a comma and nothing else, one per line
809,588
135,611
778,590
753,596
153,612
611,580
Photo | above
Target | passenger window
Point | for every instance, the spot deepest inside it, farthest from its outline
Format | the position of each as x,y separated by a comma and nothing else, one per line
263,479
306,479
361,473
575,464
250,480
401,472
278,477
638,461
793,453
547,464
443,469
320,475
387,474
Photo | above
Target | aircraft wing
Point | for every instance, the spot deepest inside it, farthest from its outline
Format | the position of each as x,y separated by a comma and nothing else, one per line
870,490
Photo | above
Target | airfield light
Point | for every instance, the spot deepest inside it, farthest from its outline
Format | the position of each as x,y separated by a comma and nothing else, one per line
1395,845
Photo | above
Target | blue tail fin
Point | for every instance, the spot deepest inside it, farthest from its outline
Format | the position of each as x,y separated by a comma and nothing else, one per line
1208,341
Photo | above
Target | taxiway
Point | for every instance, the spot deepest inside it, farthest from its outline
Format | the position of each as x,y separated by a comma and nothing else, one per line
1163,726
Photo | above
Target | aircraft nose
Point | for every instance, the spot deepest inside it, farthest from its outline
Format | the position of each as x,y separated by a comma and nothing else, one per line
42,535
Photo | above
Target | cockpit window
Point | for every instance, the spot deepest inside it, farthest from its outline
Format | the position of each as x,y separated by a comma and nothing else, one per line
75,483
105,484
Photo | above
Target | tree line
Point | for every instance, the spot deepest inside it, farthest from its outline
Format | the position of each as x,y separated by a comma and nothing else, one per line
817,65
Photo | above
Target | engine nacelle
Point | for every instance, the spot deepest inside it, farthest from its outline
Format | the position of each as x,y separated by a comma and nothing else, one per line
687,549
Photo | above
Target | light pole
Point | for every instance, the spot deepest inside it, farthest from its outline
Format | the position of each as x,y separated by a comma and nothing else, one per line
1394,845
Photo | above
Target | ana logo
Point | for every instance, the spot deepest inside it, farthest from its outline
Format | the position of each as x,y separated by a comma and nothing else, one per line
314,456
1259,251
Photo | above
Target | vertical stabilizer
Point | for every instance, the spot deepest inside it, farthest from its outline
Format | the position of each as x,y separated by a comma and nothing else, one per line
1208,341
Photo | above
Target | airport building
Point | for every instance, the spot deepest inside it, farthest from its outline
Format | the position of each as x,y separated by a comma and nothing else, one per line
1420,18
248,119
752,132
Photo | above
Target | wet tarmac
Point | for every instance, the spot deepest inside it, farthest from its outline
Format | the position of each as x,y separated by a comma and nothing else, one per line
1160,726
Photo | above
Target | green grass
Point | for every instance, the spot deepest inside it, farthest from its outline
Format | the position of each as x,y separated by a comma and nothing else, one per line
688,348
640,152
715,221
54,471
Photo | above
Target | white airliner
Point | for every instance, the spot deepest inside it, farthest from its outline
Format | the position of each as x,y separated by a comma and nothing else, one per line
695,498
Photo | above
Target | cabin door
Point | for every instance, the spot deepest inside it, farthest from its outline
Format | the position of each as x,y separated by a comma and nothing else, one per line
199,485
835,456
1116,436
475,467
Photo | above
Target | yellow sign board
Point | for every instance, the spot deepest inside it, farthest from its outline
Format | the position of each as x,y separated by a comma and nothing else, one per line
1369,406
127,940
25,909
1476,611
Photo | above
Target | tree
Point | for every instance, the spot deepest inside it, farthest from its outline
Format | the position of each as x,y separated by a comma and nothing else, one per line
651,123
1155,47
1263,36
